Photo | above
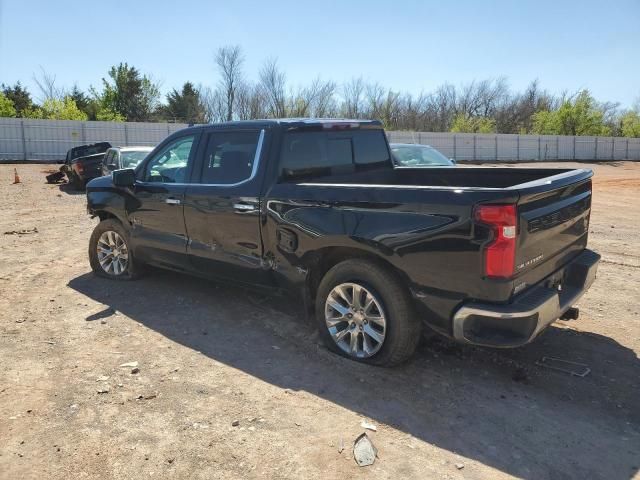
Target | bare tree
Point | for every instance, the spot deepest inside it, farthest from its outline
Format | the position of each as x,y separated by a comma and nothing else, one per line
229,60
353,98
214,104
46,83
251,102
273,85
316,100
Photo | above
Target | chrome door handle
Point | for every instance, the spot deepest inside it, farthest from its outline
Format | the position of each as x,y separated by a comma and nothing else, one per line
172,201
244,207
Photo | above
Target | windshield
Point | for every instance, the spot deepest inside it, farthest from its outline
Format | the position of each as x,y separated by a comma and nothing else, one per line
416,155
132,159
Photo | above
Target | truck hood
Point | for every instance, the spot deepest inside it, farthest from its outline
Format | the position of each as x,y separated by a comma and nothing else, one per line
100,183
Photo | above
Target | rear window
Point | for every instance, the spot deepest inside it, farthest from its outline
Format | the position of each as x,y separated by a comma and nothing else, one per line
317,154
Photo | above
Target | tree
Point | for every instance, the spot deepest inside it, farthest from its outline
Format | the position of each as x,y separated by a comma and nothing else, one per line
46,83
631,124
7,108
55,109
229,60
353,98
130,94
273,84
186,106
19,96
251,102
83,102
578,115
316,100
465,124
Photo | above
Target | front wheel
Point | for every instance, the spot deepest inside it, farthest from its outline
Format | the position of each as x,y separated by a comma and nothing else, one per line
110,254
365,313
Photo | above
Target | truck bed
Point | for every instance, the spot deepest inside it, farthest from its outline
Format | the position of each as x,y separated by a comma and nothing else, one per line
454,177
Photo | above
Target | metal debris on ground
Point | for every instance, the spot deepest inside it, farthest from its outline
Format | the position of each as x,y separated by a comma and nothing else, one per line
364,452
368,426
55,177
129,364
104,389
573,368
25,231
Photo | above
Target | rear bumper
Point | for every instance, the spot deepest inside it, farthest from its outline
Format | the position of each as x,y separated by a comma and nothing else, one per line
519,322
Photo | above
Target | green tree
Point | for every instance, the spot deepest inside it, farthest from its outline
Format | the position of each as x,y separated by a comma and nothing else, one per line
465,124
20,97
83,102
54,109
575,116
130,94
631,124
6,106
185,106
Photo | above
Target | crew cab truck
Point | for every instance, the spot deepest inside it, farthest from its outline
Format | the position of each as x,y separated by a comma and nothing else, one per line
316,209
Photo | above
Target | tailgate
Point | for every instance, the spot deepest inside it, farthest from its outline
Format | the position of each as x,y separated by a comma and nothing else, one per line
553,227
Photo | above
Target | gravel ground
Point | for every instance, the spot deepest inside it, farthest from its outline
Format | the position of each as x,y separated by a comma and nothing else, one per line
210,355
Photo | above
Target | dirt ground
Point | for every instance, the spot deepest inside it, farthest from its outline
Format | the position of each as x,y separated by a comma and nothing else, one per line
210,355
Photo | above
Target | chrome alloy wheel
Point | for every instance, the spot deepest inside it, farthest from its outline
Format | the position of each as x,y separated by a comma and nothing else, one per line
113,254
355,320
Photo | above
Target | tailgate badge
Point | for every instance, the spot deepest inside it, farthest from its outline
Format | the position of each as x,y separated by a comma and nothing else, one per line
530,262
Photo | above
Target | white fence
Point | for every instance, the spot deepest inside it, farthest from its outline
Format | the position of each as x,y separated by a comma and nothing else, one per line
49,140
523,148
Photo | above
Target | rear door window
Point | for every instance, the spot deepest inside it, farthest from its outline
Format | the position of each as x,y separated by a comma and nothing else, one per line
229,157
317,154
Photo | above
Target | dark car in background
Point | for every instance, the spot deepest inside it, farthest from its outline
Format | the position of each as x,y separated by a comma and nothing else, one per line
123,157
84,163
414,155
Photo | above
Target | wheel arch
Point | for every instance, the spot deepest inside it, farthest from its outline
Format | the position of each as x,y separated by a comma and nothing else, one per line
327,257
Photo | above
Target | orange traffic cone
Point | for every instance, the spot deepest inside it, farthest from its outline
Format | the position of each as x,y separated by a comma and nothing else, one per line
16,177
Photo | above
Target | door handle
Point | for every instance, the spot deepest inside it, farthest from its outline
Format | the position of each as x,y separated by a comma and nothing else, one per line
244,207
172,201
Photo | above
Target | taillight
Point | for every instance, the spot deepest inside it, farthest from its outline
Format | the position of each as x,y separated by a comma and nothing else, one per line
80,167
500,254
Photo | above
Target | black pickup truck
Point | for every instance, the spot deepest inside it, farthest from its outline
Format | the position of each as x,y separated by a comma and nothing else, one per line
81,164
315,208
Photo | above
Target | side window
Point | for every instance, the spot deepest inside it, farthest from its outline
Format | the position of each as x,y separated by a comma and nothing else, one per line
370,148
169,165
314,154
229,157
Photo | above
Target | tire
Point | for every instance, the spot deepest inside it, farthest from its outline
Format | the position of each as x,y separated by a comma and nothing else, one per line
390,315
108,233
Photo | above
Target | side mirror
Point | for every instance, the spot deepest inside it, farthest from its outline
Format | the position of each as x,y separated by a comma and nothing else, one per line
124,178
453,160
111,166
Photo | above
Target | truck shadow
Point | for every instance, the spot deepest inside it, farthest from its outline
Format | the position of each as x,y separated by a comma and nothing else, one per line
493,407
70,189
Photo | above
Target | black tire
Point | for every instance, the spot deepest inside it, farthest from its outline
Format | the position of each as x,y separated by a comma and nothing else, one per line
133,269
403,328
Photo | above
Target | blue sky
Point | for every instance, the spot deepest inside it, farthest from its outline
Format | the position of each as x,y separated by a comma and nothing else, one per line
406,45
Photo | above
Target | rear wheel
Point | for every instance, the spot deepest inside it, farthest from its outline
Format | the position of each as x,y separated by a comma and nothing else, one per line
110,254
365,313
